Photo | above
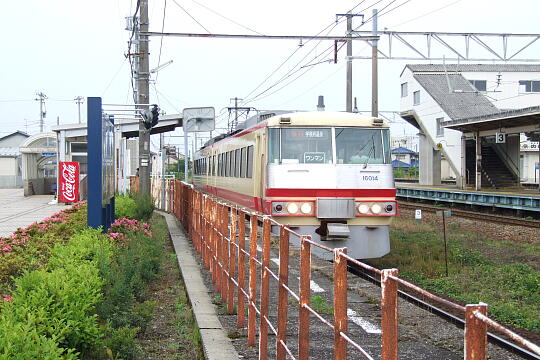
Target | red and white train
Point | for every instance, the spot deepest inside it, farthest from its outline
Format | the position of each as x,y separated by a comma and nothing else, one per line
324,174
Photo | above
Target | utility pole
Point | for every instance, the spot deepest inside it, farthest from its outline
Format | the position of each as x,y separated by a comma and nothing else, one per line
143,94
348,92
232,124
42,112
374,70
349,63
79,100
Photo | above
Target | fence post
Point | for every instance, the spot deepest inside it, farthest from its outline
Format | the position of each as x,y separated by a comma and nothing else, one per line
389,315
305,294
224,229
241,268
265,291
214,256
475,333
252,314
283,306
233,248
206,233
340,304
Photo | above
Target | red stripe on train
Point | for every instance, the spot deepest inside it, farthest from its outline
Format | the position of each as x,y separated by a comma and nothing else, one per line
331,193
248,201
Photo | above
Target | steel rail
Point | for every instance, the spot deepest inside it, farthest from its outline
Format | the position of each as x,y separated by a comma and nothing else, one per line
475,215
494,339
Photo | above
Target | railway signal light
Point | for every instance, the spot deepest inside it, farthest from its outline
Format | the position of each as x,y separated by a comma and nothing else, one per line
151,117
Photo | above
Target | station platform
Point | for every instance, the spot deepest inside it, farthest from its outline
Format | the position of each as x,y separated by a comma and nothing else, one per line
525,199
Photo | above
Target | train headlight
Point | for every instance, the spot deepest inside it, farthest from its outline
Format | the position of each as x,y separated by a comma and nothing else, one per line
376,208
292,208
306,208
363,208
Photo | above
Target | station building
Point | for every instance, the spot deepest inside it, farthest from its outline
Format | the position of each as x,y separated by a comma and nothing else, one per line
11,160
474,122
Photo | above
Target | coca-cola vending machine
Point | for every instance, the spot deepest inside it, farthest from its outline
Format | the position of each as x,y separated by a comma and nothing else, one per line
68,181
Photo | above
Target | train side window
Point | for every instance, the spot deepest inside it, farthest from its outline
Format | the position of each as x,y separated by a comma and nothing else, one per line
249,168
227,163
238,163
220,165
243,162
213,165
233,164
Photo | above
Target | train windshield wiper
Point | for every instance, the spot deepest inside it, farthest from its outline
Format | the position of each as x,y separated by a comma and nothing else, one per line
371,152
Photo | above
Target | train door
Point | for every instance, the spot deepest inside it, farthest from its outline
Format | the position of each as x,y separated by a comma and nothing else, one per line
258,171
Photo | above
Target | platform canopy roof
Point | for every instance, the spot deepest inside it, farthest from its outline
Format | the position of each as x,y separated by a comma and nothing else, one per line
525,120
129,128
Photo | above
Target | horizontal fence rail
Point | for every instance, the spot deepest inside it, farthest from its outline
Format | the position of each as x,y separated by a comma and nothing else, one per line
218,233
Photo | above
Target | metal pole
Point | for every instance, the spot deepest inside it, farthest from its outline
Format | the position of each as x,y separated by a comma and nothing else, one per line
349,64
185,156
163,158
445,244
143,98
374,71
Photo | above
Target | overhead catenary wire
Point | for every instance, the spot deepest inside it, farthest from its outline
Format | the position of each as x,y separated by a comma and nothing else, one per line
288,74
161,39
226,18
188,14
333,25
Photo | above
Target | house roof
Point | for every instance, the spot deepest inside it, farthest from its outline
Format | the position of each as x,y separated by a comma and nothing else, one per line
14,133
9,151
402,150
473,68
459,101
400,164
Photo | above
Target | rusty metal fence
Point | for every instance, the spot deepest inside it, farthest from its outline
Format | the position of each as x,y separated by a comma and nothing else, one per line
218,233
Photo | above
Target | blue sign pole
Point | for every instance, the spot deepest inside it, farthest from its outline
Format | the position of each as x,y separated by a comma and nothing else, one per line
100,191
95,209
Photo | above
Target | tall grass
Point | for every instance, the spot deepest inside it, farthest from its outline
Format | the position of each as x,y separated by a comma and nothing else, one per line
501,273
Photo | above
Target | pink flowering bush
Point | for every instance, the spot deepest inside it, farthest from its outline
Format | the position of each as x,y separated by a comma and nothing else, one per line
121,229
29,248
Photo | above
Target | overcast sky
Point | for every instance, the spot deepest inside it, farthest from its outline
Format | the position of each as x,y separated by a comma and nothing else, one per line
76,48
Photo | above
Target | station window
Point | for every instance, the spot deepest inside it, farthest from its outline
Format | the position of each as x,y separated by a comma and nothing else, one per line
526,86
404,91
416,97
480,85
440,129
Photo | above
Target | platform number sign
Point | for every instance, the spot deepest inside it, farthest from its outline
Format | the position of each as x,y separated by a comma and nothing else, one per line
500,138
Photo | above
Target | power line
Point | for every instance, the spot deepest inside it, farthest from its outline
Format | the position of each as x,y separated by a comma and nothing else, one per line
426,14
226,18
161,39
201,25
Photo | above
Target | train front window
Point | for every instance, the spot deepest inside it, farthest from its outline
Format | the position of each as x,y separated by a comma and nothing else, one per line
300,146
362,146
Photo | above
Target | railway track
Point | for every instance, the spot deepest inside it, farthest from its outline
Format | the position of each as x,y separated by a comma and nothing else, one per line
500,219
446,315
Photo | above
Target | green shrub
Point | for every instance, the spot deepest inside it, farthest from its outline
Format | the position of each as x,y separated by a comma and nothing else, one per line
60,304
89,245
125,206
144,206
126,279
120,342
20,340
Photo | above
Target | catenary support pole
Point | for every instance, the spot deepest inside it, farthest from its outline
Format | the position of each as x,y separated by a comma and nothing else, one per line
143,98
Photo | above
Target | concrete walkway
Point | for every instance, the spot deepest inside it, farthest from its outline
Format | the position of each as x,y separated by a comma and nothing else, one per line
216,343
16,210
